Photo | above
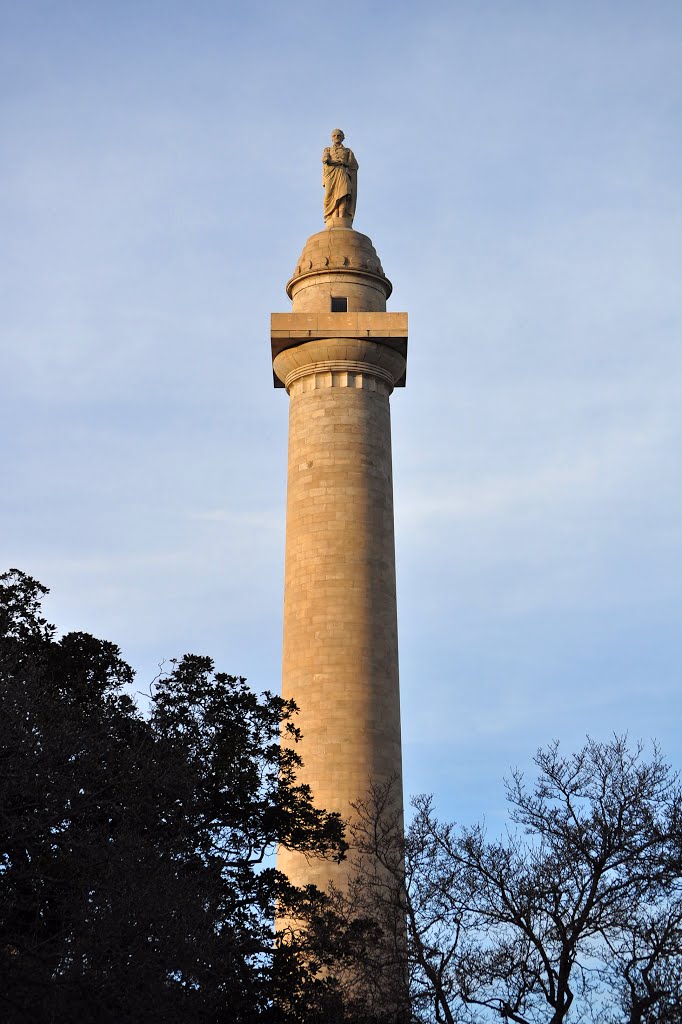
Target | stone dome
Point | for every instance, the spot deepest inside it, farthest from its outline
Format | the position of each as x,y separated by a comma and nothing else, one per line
339,251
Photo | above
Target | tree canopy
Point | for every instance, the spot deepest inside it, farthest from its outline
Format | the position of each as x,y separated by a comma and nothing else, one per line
134,874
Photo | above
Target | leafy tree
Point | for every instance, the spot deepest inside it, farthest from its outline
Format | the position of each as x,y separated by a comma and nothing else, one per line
574,915
133,875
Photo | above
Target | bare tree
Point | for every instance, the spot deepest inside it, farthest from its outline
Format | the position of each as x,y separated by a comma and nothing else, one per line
572,915
645,964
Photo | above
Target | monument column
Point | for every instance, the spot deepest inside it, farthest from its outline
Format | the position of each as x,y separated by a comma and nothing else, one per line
339,355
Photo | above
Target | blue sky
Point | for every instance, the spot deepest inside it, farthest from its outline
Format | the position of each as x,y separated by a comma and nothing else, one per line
520,168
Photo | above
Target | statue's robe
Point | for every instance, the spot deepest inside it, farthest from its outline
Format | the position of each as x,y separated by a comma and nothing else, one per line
339,182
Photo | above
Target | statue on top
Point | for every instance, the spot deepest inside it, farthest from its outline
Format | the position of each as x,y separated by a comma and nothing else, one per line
340,181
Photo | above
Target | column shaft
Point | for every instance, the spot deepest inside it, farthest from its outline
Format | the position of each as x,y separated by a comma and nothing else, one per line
340,659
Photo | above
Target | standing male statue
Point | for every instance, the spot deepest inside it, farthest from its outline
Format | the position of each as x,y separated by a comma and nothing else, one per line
340,181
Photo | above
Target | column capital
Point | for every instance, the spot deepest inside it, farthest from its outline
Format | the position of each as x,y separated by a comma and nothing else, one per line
379,339
340,362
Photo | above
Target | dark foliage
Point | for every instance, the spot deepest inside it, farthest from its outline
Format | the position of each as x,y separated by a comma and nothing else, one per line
132,849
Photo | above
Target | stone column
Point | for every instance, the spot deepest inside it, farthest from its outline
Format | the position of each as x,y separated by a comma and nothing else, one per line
340,657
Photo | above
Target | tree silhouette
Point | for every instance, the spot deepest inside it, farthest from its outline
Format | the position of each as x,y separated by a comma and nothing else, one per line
133,875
